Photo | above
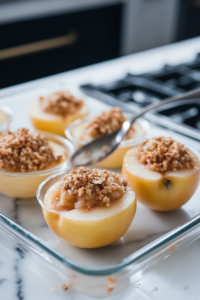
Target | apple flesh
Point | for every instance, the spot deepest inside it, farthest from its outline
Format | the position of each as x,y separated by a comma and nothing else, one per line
95,228
51,122
160,191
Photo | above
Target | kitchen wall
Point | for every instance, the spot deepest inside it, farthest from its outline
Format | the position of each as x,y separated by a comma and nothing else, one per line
149,24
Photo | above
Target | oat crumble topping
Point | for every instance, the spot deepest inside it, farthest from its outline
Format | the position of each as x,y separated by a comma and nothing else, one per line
165,154
86,188
106,123
110,284
61,103
22,151
64,287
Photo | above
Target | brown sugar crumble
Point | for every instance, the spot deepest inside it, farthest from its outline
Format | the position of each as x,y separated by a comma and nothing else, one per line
105,148
85,188
110,285
22,151
164,154
61,103
64,287
106,123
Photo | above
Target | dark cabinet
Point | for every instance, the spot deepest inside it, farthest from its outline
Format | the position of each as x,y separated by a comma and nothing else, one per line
40,47
189,19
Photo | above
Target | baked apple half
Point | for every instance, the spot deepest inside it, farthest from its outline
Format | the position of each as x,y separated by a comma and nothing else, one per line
54,112
162,172
83,131
89,208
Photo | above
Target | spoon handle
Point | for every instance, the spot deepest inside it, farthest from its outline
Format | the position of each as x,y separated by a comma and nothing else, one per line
189,97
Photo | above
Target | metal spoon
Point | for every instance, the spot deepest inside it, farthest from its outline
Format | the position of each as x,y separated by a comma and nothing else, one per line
100,148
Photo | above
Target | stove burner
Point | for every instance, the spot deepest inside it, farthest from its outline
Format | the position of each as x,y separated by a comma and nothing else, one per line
141,90
188,114
184,77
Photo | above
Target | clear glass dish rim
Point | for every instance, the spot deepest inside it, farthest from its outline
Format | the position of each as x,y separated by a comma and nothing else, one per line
142,122
70,149
136,257
9,113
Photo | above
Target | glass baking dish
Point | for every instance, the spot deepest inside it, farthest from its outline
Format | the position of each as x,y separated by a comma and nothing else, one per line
159,270
94,272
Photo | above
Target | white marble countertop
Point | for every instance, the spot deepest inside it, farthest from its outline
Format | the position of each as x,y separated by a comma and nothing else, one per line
20,279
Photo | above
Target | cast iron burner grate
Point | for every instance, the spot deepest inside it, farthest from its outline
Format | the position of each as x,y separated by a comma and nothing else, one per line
135,91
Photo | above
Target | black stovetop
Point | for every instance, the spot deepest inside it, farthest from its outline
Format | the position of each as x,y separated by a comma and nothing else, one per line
135,91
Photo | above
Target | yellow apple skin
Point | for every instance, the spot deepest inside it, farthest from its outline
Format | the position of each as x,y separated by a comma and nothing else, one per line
53,123
155,194
20,187
114,160
92,233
